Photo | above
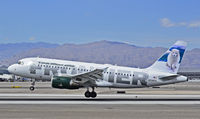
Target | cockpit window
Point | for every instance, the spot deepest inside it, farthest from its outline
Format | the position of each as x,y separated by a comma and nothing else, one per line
20,62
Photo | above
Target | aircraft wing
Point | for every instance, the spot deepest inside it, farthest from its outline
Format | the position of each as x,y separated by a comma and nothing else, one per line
169,77
88,78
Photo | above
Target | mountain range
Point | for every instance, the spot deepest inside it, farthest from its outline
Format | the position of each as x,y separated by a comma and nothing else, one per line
8,50
104,52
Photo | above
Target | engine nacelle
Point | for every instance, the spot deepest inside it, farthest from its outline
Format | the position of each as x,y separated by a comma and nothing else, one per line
64,83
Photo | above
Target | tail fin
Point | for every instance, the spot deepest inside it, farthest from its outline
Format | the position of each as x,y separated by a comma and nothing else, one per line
170,60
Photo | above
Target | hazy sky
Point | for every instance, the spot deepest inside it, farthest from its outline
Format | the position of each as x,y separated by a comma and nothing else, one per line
139,22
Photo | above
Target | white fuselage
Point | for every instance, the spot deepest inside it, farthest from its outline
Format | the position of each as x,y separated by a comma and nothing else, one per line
113,76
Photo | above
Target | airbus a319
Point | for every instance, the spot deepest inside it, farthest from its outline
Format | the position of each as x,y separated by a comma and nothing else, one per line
74,75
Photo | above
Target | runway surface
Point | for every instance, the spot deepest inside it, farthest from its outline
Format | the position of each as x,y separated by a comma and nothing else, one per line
101,99
181,101
112,106
99,111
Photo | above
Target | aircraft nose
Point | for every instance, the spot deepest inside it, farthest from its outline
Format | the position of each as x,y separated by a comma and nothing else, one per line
12,68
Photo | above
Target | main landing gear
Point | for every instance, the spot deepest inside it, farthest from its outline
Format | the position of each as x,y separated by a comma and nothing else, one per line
92,94
32,88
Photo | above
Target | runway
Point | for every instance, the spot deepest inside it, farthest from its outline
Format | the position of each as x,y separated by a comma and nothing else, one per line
181,101
101,99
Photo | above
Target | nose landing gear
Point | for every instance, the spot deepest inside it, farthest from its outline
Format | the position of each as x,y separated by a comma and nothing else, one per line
92,94
32,88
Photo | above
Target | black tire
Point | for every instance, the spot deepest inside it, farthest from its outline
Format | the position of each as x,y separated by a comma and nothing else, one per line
87,94
93,94
32,88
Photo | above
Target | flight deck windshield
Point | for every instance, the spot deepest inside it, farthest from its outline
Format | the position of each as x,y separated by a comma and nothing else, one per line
20,62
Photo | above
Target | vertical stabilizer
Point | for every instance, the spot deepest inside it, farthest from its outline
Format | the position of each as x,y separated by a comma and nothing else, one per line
170,60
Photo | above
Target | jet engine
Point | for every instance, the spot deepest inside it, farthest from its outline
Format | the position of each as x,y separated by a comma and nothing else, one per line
64,83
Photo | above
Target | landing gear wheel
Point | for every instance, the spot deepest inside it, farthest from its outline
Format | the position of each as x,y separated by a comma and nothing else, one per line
93,94
87,94
32,88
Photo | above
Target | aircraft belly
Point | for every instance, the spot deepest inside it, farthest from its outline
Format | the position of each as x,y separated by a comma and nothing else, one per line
127,86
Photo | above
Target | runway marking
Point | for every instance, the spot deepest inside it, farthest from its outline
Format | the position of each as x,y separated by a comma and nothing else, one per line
101,99
122,96
102,102
99,95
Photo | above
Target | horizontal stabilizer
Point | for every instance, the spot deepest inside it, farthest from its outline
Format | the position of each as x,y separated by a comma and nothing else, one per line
169,77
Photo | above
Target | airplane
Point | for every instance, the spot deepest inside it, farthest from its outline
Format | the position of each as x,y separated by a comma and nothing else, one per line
74,75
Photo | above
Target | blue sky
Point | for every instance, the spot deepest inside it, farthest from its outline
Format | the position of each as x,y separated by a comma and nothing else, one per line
139,22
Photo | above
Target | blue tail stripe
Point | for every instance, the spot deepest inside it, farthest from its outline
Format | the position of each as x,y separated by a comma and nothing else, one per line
181,51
